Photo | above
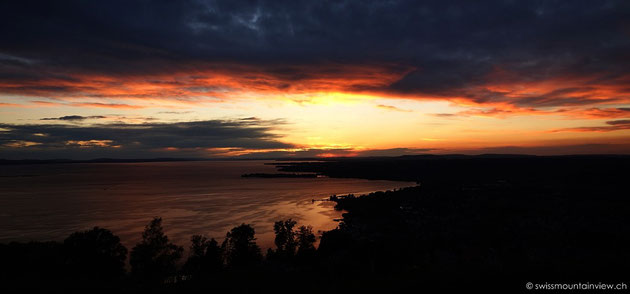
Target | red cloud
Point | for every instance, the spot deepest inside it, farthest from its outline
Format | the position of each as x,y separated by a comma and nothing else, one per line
615,125
501,93
220,81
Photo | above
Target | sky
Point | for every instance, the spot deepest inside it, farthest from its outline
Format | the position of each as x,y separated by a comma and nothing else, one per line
263,79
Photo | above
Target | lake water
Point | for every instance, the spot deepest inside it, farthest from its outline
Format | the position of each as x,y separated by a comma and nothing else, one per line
50,201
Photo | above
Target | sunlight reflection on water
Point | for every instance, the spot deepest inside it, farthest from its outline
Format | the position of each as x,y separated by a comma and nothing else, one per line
50,201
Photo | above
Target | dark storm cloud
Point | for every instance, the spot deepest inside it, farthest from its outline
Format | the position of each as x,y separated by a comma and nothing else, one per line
452,46
74,117
142,140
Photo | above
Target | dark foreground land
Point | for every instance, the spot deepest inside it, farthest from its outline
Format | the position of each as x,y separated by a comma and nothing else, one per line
488,223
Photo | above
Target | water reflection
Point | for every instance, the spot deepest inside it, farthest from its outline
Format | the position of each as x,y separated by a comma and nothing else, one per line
47,202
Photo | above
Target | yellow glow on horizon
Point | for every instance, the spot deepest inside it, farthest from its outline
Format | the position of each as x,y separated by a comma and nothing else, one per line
335,120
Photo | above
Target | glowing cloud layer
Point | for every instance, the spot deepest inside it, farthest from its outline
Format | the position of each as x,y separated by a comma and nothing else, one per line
344,78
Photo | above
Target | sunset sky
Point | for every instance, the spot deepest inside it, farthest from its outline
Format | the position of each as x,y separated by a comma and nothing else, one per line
139,79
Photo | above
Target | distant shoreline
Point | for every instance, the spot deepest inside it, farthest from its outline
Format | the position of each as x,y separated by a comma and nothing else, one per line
116,160
287,161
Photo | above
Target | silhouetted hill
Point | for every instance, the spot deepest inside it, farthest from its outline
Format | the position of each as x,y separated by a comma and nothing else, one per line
490,222
464,168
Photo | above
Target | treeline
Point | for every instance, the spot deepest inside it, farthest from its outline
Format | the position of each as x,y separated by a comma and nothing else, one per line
493,221
96,259
498,235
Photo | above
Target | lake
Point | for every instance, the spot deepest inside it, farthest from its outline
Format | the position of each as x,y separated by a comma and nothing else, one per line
50,201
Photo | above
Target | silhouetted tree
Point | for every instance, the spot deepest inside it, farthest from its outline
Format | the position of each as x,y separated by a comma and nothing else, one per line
240,247
95,254
31,265
285,239
206,257
154,258
305,240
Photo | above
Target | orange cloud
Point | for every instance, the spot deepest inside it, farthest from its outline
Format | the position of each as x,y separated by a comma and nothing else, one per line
503,93
91,143
331,155
597,113
394,108
615,125
106,105
10,105
215,81
499,94
83,104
